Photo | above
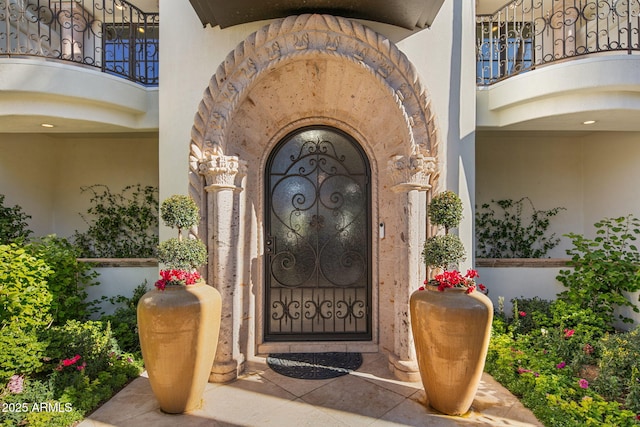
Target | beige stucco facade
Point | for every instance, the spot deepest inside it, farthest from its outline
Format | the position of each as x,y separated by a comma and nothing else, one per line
250,85
408,98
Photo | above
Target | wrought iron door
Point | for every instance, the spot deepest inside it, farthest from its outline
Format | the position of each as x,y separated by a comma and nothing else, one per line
317,254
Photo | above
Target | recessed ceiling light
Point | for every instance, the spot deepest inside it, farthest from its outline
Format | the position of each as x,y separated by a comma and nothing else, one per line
588,122
46,125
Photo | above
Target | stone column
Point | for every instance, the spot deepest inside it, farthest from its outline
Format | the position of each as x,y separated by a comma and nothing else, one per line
414,173
221,174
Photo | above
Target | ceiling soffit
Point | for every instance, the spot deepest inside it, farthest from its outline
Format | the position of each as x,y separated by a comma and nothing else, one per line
410,14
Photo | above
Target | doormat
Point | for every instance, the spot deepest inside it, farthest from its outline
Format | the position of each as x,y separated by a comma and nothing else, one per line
314,366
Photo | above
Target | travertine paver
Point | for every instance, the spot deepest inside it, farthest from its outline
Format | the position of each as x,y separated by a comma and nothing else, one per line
260,397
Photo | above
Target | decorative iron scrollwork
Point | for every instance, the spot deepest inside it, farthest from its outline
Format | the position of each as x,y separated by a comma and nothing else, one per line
317,249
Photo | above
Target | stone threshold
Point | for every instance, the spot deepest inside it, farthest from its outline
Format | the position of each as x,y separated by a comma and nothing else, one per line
523,262
120,262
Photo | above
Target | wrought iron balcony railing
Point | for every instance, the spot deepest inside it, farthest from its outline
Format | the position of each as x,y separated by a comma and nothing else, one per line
112,35
526,34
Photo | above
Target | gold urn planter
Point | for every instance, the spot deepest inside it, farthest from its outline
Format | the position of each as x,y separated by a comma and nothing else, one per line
451,331
178,329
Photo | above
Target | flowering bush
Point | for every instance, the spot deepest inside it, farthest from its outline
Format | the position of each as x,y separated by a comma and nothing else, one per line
455,279
177,277
566,366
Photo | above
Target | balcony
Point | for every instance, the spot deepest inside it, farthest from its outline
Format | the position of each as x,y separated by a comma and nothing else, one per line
528,34
113,36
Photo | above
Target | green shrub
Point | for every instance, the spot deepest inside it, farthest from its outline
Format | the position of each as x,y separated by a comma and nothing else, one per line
69,278
123,225
510,234
604,268
619,363
124,321
443,251
13,223
179,211
92,340
184,254
445,210
24,310
530,367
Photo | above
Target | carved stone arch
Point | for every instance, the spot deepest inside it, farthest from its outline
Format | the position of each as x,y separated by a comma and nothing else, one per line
367,88
296,36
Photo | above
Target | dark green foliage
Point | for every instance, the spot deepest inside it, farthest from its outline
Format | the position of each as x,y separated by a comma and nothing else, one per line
185,254
604,268
24,310
92,340
124,322
123,225
13,223
69,278
445,210
443,251
509,234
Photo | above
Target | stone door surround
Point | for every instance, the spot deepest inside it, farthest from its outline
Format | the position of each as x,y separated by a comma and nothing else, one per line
295,72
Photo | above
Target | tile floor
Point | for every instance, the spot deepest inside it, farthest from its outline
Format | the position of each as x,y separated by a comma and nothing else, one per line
369,396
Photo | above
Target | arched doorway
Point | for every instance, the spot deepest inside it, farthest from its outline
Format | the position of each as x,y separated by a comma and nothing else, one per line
298,72
317,238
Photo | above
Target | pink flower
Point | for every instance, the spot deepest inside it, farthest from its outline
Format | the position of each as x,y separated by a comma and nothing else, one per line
81,367
455,279
16,384
471,274
175,277
73,360
527,371
522,313
583,383
561,365
568,333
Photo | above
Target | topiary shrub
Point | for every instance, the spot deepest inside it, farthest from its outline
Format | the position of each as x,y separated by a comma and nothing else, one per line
443,251
183,254
180,253
179,211
24,310
445,210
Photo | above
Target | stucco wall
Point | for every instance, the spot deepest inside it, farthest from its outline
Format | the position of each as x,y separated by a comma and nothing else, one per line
44,173
593,175
443,57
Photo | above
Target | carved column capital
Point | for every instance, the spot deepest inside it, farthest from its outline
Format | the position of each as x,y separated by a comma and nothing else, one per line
222,172
412,172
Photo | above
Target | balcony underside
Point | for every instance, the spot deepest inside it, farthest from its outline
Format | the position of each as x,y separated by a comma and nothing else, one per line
72,98
562,96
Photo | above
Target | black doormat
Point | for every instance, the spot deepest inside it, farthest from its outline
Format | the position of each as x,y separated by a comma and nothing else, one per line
314,366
